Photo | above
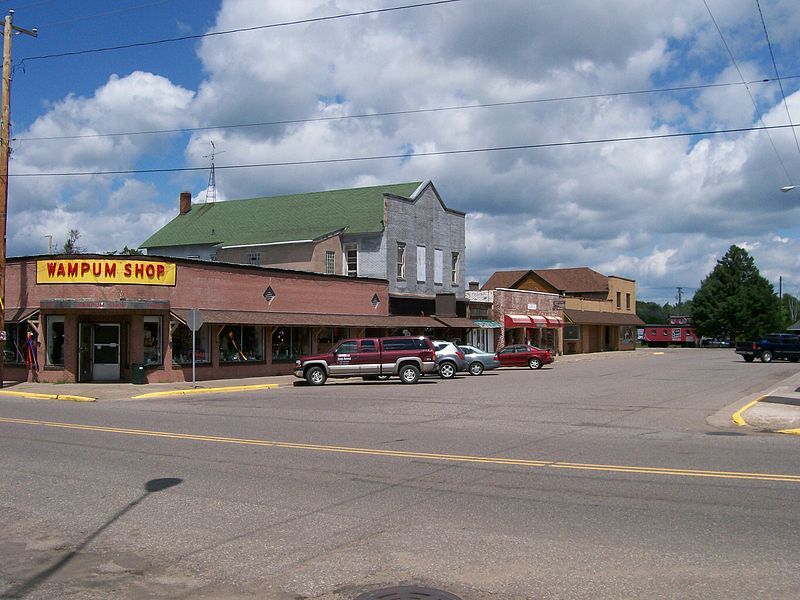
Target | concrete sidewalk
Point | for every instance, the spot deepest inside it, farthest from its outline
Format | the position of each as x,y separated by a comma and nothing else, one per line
776,410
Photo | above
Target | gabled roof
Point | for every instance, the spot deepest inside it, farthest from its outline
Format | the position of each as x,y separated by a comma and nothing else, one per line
504,279
580,279
277,219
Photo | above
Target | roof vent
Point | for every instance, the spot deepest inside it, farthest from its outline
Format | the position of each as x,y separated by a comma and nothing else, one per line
375,301
269,294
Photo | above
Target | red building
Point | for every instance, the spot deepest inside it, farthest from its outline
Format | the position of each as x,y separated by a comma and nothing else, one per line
104,318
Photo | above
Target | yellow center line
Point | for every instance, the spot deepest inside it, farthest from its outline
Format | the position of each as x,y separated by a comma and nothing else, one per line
463,458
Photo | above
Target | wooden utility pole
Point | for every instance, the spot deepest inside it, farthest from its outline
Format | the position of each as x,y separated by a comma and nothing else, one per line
5,140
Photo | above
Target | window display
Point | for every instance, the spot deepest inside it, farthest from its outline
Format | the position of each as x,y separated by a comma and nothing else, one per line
55,341
290,342
241,343
182,344
152,341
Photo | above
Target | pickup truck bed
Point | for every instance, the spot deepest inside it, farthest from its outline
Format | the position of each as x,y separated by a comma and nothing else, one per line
776,346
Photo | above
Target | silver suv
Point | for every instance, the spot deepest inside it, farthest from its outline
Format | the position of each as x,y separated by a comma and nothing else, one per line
449,359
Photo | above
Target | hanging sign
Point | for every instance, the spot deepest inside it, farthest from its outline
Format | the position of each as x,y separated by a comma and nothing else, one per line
113,271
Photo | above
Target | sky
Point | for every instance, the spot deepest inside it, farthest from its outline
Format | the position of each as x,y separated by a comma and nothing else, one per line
639,138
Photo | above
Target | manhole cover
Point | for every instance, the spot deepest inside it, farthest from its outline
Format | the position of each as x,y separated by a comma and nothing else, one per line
407,593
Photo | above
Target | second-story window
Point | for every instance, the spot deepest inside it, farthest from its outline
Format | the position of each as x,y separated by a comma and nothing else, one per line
401,260
351,259
619,299
454,268
254,258
330,262
628,301
422,273
438,266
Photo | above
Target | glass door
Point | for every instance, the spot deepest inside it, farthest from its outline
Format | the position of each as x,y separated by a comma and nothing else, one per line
105,352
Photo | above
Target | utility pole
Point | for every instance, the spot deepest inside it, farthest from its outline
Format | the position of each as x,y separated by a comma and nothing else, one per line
5,140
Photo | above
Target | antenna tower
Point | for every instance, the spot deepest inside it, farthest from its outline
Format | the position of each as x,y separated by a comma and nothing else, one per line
211,190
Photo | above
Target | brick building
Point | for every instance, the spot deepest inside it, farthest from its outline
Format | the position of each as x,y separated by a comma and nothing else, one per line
101,318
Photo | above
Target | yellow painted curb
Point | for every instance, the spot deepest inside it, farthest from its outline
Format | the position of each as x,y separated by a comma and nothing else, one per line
790,431
233,388
737,416
49,396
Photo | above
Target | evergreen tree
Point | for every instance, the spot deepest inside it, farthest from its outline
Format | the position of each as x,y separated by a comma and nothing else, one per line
735,301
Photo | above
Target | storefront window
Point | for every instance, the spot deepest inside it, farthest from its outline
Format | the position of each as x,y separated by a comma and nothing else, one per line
328,336
241,343
182,344
152,341
55,341
572,332
290,342
14,346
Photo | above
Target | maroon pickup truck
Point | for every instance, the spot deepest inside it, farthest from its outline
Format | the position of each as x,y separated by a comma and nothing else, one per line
370,358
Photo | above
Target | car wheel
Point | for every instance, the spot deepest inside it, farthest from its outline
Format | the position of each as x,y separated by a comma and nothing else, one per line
749,358
475,367
409,374
316,376
535,363
766,356
447,370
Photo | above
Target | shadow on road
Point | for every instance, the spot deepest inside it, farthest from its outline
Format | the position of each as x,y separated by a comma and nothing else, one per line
26,587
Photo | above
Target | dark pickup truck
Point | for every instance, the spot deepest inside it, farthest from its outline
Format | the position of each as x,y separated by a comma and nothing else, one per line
774,346
370,358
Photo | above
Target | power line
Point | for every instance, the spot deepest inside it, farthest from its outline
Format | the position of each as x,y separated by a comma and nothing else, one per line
406,156
98,15
775,66
749,93
394,113
184,38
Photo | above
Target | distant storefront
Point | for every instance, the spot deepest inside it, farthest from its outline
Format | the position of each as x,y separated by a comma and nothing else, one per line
76,318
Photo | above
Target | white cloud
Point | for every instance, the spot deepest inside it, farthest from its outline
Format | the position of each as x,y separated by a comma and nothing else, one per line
660,211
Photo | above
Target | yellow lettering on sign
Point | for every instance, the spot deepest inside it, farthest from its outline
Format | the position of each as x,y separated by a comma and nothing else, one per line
139,272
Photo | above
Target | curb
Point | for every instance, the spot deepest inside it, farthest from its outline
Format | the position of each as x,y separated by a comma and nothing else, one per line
49,396
738,417
232,388
739,420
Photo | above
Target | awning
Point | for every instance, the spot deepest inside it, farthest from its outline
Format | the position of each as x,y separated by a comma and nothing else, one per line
17,315
456,322
539,321
512,321
245,317
593,317
486,324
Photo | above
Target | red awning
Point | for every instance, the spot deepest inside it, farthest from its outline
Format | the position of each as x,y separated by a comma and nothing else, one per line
539,321
512,321
555,321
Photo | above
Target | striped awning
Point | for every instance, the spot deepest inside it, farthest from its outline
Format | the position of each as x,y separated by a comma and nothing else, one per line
539,321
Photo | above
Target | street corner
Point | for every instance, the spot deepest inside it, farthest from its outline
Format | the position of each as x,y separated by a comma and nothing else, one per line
774,412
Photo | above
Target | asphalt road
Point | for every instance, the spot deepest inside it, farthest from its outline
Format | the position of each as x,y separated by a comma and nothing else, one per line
595,478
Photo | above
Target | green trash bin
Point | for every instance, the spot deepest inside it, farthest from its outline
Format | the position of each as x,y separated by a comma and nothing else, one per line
137,374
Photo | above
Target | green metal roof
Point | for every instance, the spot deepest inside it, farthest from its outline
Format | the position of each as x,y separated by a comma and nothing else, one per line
280,218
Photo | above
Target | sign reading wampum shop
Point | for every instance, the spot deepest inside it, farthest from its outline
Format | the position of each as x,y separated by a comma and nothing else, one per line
110,271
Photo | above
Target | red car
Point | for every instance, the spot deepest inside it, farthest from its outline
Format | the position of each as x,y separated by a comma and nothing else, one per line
521,355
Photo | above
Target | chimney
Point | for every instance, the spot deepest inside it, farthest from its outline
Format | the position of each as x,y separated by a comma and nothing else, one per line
185,203
474,286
